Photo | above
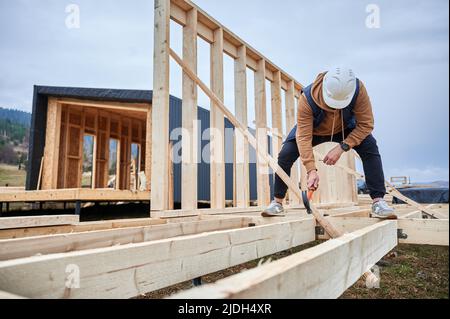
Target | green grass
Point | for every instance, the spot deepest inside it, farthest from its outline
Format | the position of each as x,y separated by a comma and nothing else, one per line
410,272
11,176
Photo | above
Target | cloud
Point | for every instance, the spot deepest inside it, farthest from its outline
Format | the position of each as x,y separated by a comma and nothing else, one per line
404,64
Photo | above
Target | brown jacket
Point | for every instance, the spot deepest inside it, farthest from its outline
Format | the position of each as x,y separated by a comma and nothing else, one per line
305,122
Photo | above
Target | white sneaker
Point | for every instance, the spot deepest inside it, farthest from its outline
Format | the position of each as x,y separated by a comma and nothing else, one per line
274,210
382,210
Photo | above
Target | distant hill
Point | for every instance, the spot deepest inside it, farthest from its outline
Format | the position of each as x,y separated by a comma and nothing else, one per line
16,116
14,135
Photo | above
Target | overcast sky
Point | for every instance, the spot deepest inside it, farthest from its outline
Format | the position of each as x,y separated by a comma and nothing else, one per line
404,63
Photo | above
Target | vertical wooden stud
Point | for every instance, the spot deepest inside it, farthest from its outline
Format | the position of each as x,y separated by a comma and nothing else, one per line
291,121
241,161
52,140
189,116
160,114
217,124
261,134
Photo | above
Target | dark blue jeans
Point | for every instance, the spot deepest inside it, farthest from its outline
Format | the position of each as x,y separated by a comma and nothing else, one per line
368,151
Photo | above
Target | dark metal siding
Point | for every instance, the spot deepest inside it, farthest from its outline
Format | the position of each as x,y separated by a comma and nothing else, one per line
37,139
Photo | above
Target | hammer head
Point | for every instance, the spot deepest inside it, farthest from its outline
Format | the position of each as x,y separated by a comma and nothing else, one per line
307,197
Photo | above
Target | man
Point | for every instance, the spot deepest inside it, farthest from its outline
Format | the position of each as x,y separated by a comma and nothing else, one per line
335,108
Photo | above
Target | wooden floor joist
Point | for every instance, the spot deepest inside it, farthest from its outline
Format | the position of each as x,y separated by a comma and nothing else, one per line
77,228
63,243
417,231
70,195
130,270
324,271
37,221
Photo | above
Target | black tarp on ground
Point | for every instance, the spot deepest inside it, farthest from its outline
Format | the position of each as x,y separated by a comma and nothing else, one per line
425,195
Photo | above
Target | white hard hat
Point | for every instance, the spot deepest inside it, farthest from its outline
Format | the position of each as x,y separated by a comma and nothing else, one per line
339,87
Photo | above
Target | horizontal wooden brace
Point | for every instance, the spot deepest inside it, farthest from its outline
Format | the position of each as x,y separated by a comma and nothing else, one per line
325,271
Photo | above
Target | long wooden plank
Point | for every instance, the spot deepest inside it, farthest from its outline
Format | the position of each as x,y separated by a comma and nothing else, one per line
119,106
217,131
148,149
291,121
202,212
425,231
418,231
63,243
78,228
261,135
189,116
37,221
128,271
242,157
160,114
308,274
67,195
277,113
52,141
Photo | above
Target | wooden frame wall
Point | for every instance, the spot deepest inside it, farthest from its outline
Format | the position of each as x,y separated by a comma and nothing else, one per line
197,23
68,122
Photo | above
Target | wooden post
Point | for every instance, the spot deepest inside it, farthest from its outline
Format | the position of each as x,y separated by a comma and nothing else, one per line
189,116
52,141
241,161
94,153
217,124
148,150
261,134
160,114
170,177
291,121
277,112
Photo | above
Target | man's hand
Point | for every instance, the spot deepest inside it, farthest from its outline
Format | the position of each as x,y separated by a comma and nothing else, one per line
333,157
313,180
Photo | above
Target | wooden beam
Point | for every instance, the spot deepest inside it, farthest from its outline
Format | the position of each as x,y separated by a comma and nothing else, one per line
160,114
37,221
148,150
129,271
69,242
418,231
71,195
202,212
425,231
77,228
119,106
308,274
189,169
217,124
261,134
291,121
52,143
242,157
277,113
